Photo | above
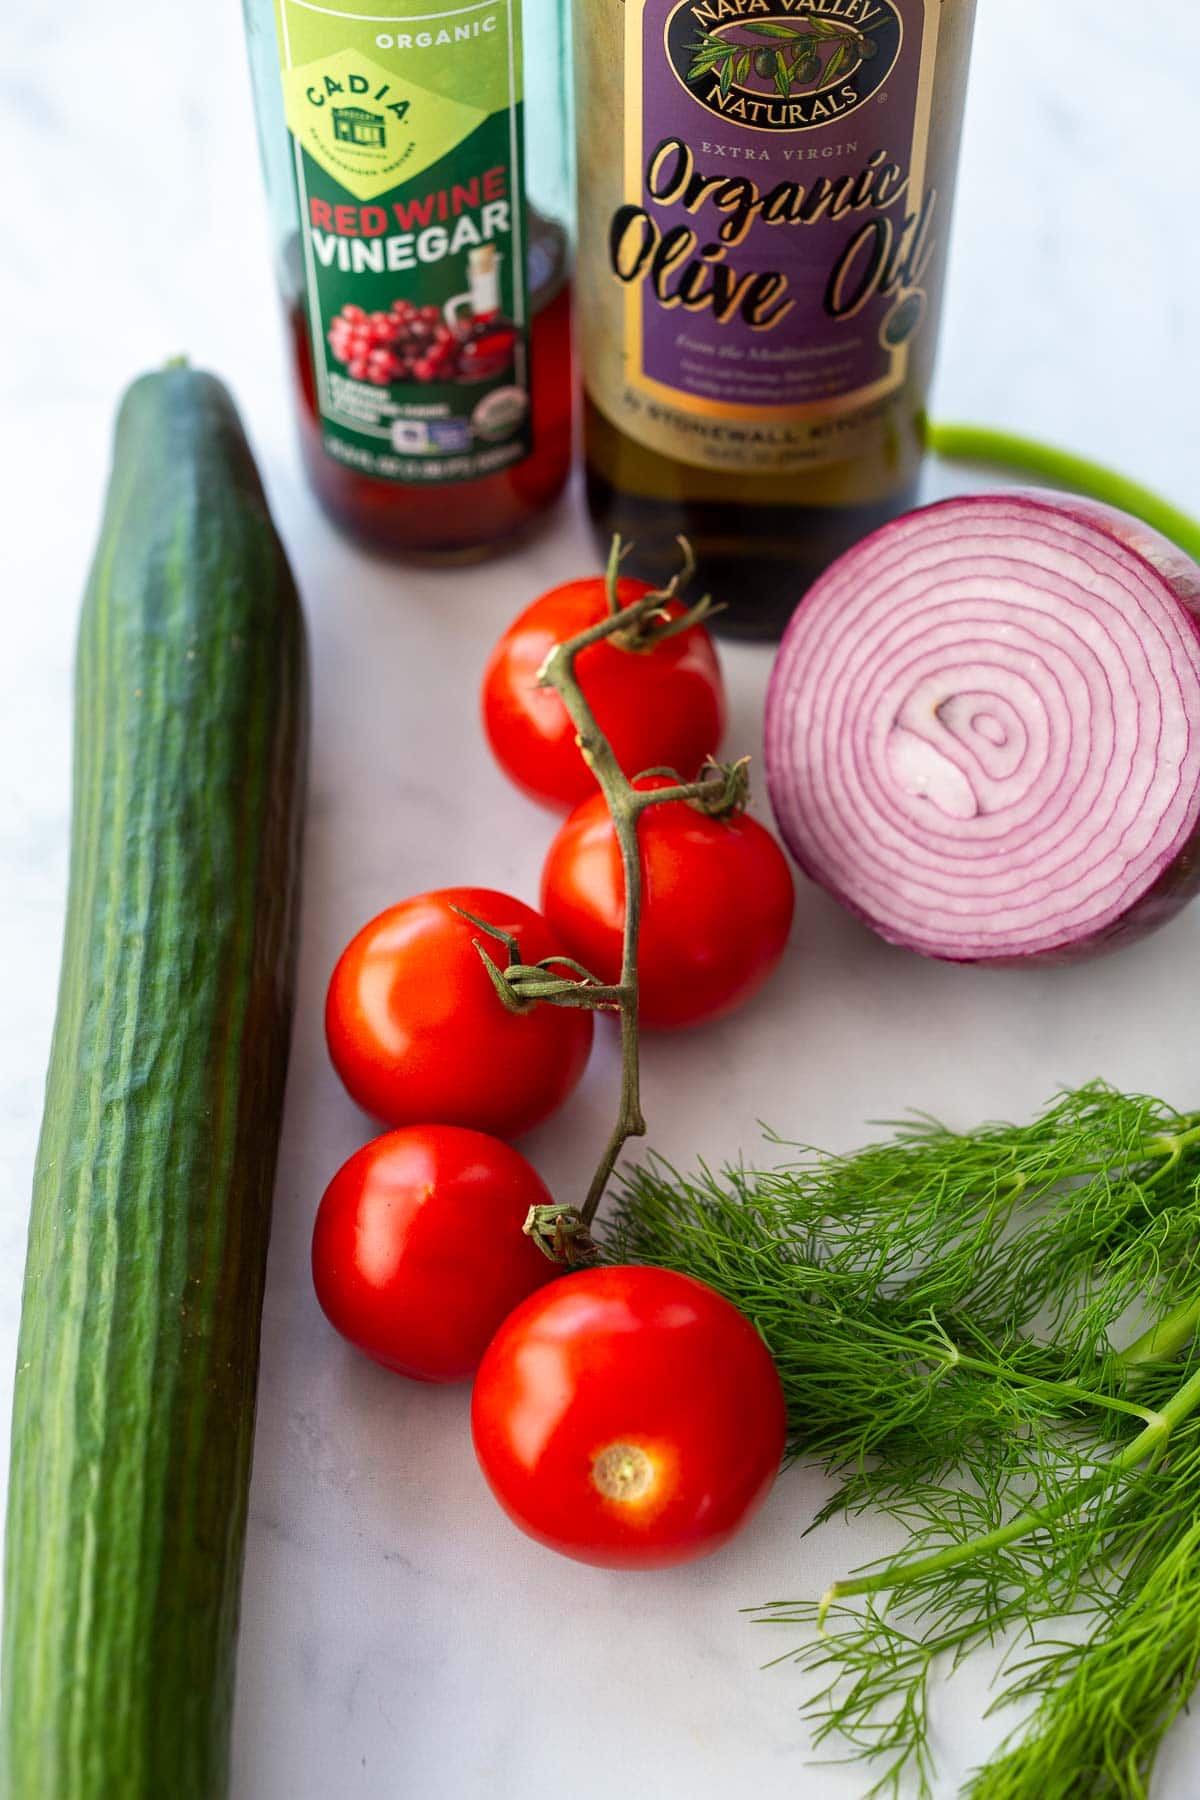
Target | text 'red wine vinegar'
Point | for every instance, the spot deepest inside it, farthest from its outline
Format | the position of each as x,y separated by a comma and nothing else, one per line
423,258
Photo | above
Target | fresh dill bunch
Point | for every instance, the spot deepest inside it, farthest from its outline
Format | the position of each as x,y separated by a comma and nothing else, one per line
991,1337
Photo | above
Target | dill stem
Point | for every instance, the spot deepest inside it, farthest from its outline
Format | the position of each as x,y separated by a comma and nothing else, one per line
1148,1443
1065,1390
978,443
1174,1146
1165,1339
1167,1149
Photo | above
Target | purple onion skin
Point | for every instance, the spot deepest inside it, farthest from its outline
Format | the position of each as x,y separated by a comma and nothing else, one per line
1177,569
1179,880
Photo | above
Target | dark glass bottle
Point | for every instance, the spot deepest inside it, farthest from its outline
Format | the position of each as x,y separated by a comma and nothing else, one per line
760,276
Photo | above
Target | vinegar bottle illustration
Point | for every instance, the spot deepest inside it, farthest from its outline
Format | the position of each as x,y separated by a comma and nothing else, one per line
489,340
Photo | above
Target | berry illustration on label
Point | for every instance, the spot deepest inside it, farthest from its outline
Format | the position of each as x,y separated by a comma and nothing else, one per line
466,340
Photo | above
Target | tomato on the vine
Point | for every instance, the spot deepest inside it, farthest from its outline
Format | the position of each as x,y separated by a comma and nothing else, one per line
418,1250
629,1417
662,706
717,904
420,1036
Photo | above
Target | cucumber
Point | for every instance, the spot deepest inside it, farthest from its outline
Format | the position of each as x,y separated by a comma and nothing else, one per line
134,1403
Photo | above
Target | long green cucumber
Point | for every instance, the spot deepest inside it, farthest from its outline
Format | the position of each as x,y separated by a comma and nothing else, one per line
134,1405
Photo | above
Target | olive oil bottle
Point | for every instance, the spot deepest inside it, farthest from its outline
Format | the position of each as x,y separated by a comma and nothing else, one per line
765,190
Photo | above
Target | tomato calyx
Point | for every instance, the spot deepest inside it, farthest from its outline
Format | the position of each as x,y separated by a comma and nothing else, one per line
720,790
522,986
733,794
562,1235
655,622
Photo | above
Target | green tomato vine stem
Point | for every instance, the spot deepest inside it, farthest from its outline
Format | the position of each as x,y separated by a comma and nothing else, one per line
563,1232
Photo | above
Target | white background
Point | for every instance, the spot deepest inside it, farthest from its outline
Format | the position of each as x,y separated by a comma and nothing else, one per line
398,1637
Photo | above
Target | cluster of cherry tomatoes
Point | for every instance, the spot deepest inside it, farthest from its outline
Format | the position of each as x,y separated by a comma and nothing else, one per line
624,1416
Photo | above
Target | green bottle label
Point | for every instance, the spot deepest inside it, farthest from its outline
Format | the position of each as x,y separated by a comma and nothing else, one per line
407,139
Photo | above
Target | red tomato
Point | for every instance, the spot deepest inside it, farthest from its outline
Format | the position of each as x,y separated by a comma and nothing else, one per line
628,1417
419,1035
717,903
663,707
418,1250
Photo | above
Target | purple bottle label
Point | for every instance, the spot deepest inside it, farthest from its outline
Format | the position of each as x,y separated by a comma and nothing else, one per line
776,230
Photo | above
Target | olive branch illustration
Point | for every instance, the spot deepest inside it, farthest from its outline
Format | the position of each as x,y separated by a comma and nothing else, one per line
801,55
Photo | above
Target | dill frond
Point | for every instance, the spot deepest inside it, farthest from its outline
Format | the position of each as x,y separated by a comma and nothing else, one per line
955,1318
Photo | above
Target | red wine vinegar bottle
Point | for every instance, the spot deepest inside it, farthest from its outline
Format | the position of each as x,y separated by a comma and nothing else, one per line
417,173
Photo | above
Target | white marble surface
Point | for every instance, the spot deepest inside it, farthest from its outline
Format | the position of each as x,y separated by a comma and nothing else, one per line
398,1636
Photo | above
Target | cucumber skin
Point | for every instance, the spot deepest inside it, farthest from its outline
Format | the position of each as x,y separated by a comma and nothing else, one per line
138,1354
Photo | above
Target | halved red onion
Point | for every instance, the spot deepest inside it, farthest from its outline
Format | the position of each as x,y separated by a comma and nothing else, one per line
983,729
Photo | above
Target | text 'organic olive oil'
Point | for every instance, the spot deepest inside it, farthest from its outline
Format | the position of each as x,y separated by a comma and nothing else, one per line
765,191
